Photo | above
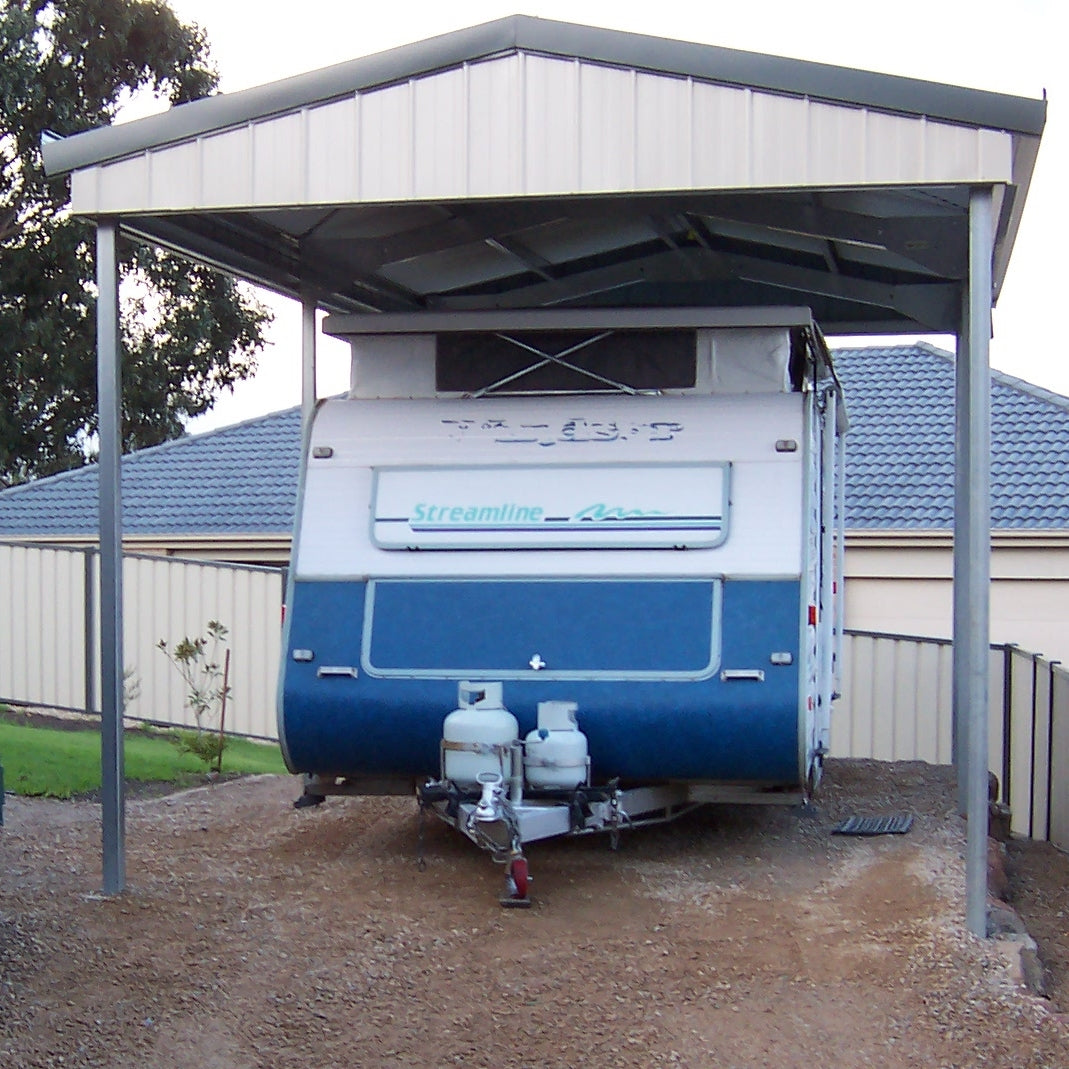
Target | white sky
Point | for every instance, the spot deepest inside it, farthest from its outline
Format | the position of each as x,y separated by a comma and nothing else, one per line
1008,48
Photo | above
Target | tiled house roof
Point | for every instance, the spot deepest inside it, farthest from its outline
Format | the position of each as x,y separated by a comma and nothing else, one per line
900,450
237,480
900,462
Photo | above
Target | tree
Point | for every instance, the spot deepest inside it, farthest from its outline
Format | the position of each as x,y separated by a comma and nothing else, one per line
187,331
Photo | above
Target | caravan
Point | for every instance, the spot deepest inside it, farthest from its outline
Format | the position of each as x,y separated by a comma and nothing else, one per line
568,571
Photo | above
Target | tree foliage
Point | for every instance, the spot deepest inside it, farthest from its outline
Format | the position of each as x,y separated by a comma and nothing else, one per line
187,331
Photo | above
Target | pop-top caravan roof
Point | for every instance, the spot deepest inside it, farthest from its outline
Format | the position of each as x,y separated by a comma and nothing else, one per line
526,163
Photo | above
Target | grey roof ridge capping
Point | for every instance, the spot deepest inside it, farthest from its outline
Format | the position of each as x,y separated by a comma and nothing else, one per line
1040,393
712,63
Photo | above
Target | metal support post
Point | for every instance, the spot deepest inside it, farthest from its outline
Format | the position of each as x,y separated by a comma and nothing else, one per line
972,525
109,409
840,557
308,357
959,707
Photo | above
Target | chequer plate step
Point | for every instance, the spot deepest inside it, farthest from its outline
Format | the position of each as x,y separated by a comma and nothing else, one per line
896,824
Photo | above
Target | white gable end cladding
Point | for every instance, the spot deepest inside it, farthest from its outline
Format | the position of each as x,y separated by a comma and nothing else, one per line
530,125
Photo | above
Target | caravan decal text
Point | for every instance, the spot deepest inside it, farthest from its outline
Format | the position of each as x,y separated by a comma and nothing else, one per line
566,507
563,432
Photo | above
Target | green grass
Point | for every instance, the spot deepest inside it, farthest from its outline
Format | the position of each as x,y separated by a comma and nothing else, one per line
43,761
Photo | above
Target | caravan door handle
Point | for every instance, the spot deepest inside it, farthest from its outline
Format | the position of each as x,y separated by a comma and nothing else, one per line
344,670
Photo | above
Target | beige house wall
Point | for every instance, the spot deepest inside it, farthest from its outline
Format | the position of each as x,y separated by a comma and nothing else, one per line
903,584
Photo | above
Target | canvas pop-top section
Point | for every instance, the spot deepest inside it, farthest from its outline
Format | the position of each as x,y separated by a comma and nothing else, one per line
580,352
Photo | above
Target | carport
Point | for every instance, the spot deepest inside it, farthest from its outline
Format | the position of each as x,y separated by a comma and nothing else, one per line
525,164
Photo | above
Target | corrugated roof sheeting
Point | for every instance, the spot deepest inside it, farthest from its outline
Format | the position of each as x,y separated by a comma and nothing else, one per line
554,127
710,63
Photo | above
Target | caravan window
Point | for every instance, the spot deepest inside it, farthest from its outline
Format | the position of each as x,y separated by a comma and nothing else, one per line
566,361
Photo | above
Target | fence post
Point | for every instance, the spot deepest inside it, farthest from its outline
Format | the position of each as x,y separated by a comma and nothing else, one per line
89,617
1050,748
1032,752
1007,718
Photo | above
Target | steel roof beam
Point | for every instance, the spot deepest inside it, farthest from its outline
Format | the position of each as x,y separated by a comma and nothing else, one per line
236,252
528,257
936,243
663,267
668,234
933,304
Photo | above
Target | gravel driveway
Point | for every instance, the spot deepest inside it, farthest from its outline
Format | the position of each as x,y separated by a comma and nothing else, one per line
253,934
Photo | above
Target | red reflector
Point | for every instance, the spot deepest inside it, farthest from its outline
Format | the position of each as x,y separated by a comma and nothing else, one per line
283,620
812,616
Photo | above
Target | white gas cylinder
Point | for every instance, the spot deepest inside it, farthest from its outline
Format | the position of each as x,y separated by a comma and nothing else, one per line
481,721
555,754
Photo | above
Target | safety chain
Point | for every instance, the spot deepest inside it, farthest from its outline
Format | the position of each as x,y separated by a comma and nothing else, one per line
421,861
614,821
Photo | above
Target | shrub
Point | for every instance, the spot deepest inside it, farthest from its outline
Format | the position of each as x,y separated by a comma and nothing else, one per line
197,661
205,745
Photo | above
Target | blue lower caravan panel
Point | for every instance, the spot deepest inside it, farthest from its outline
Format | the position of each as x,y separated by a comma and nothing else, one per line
665,672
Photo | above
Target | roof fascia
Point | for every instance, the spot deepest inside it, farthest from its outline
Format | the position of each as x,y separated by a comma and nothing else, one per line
712,63
1001,538
780,74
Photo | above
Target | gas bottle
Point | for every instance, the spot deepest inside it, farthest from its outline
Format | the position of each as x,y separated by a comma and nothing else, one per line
479,722
555,754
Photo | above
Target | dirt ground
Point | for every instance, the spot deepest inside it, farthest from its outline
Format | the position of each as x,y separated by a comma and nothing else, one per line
253,934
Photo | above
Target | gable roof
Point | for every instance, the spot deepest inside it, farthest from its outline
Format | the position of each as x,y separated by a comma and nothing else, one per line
526,163
900,462
516,33
236,480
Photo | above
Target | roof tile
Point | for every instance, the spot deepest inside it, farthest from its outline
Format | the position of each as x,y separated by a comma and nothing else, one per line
900,462
236,480
900,450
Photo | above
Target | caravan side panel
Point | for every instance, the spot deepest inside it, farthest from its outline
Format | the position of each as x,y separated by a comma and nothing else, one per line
641,556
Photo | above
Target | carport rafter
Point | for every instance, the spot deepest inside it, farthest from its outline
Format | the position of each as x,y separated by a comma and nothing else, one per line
932,305
936,243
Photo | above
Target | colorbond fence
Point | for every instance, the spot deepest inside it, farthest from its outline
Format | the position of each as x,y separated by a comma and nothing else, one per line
895,704
49,624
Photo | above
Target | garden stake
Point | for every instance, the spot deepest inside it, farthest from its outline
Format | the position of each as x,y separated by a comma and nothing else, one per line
222,710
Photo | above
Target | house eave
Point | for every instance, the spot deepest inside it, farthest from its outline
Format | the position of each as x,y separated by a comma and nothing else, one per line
905,538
